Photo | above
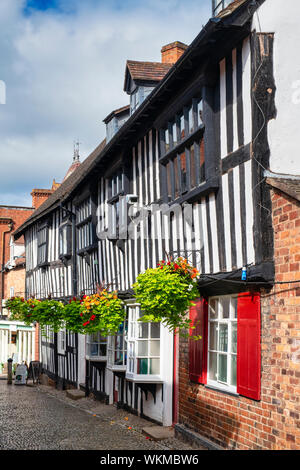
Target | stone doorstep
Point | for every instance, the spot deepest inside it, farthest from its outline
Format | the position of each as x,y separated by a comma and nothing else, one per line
75,394
158,433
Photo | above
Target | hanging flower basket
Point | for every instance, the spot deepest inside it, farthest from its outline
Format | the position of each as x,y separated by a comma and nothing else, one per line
165,293
47,312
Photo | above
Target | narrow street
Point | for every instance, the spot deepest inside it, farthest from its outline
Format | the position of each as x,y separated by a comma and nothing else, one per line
43,418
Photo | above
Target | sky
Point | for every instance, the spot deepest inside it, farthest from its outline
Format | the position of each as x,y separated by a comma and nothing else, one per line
62,65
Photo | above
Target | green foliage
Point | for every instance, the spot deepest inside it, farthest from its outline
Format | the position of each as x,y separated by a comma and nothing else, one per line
102,312
166,293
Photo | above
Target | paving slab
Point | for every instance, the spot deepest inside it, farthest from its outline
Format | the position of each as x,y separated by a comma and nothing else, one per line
159,433
75,394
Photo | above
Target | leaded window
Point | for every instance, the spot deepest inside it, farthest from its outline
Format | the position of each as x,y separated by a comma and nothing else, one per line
86,229
43,235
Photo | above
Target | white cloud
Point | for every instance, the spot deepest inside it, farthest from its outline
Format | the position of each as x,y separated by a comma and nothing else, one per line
64,73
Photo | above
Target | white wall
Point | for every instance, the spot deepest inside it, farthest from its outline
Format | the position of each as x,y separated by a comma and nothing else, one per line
282,18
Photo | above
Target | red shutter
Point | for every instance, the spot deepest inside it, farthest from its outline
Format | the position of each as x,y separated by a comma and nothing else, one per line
248,345
198,349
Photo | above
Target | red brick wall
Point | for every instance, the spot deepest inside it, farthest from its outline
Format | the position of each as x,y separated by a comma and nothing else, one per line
18,216
272,423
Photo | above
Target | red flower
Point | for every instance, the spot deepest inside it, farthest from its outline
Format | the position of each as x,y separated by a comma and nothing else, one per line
176,266
74,298
70,301
93,317
86,323
81,314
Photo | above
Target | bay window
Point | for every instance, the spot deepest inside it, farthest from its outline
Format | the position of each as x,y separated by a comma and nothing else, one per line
144,348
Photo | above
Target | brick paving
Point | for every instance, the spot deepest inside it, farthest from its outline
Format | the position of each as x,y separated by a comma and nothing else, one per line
43,418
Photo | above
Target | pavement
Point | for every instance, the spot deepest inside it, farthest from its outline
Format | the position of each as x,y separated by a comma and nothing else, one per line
42,418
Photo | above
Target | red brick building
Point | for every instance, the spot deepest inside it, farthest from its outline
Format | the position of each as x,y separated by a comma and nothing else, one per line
273,422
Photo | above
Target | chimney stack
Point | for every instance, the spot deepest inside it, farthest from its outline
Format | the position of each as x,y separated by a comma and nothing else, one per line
172,52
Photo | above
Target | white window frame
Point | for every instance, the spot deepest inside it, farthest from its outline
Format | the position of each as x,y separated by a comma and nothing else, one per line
61,341
101,341
225,321
132,348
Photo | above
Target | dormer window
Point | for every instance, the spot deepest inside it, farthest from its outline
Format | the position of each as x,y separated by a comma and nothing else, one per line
115,120
138,96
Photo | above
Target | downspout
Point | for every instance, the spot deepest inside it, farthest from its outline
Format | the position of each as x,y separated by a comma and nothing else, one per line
10,224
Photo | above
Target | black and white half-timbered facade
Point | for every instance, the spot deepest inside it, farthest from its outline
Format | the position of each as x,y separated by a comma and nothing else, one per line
180,173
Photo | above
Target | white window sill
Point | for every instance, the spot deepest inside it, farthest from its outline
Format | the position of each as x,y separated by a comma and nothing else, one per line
142,378
221,388
117,368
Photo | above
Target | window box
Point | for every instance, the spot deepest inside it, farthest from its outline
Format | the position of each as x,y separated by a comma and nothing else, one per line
96,348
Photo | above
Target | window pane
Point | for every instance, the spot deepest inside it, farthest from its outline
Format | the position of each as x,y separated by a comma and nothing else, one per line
154,348
182,127
234,338
223,338
102,349
155,330
174,134
118,358
94,349
202,161
213,335
222,372
143,348
143,330
200,113
191,120
213,366
183,173
193,166
234,306
154,366
233,370
167,141
142,366
119,342
225,307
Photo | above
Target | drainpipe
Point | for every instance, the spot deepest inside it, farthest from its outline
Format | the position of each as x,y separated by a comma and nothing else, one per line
10,224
